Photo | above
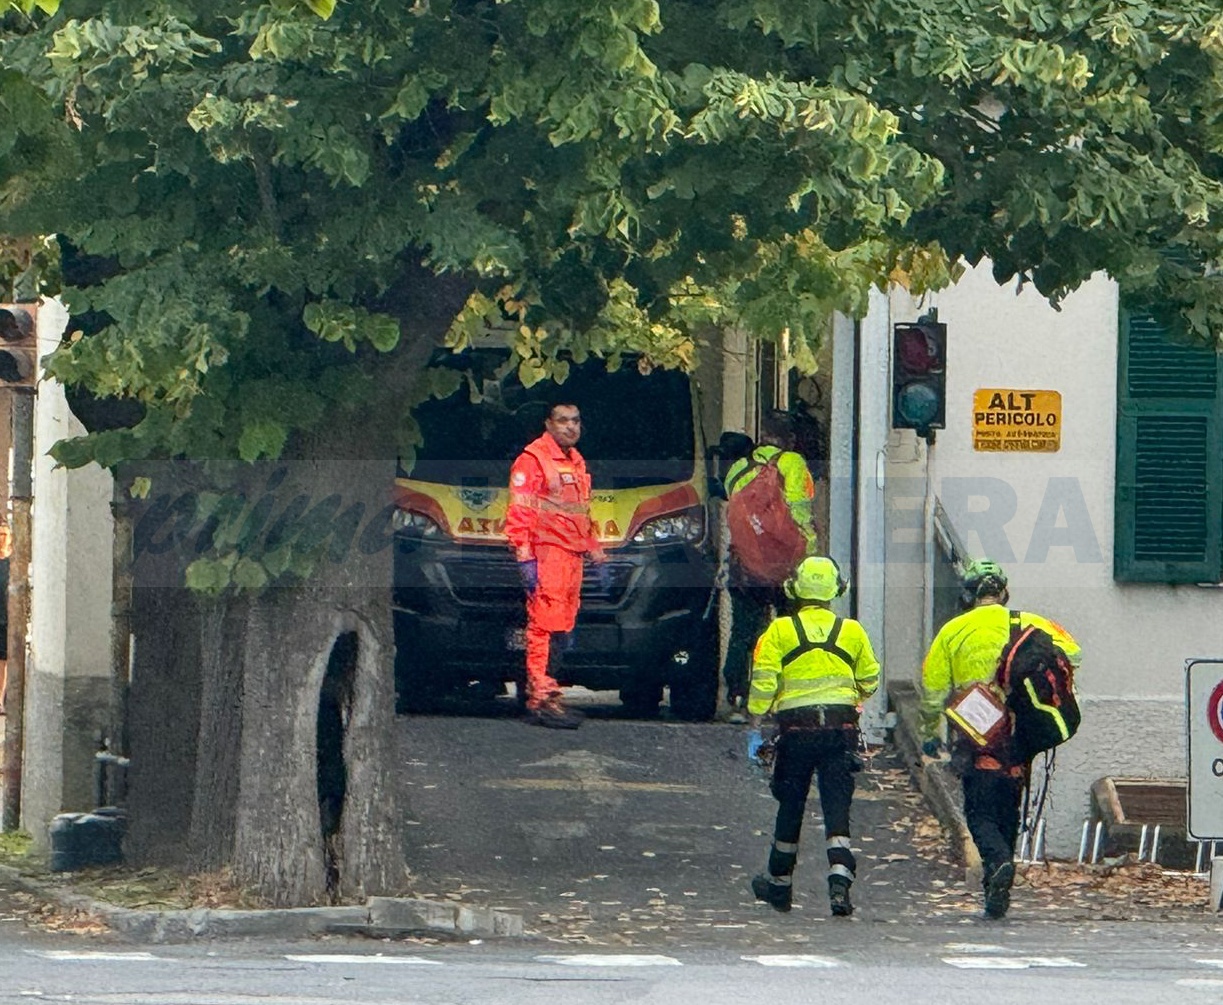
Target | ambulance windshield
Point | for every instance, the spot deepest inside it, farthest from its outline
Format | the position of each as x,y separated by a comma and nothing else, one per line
637,430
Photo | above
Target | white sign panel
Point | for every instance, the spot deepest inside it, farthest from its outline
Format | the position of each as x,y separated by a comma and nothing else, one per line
1204,700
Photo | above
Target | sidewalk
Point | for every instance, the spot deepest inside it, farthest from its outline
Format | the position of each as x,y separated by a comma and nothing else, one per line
940,787
1119,891
59,903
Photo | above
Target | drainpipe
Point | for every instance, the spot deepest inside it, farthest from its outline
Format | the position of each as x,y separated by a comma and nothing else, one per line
22,400
855,455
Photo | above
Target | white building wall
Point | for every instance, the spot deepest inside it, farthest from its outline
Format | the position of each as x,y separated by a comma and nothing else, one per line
1048,518
870,567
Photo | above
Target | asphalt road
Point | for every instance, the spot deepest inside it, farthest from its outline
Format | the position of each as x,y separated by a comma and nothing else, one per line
631,833
628,846
1136,963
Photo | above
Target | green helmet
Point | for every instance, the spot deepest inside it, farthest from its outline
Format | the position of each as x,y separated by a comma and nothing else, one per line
816,578
984,577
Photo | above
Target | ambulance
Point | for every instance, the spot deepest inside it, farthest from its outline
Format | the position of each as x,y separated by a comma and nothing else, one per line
458,602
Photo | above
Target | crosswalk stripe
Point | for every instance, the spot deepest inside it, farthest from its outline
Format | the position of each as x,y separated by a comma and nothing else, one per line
70,954
360,958
105,997
1009,962
611,960
1200,982
792,960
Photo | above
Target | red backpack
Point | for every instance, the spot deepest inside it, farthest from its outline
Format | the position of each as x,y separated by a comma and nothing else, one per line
764,539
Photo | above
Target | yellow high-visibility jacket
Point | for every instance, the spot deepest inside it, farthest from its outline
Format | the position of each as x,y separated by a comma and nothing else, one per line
787,674
966,650
799,486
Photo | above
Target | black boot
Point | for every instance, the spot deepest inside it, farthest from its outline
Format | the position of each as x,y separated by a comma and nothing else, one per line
554,714
776,895
998,890
838,896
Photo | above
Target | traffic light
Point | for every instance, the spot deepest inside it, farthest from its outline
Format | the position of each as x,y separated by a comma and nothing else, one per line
919,375
18,345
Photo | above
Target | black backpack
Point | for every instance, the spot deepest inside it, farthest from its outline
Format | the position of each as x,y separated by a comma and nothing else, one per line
1038,682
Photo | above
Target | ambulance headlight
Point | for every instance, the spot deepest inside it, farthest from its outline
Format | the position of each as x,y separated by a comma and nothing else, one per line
687,526
410,522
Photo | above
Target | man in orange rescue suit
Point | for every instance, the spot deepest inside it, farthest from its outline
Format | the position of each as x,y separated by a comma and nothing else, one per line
549,527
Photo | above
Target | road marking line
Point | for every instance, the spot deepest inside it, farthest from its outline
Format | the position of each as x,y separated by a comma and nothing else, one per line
1210,963
360,958
1008,962
587,785
985,963
611,960
783,960
1200,982
973,947
69,954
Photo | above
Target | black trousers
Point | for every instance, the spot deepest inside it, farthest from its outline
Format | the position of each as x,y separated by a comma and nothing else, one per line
749,617
829,754
991,810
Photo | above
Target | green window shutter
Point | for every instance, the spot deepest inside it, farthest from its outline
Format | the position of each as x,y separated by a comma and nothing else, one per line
1169,499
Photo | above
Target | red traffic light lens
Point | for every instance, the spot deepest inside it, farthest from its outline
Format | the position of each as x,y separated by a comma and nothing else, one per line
916,350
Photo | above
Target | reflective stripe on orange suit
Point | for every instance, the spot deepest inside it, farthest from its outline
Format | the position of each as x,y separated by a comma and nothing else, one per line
548,519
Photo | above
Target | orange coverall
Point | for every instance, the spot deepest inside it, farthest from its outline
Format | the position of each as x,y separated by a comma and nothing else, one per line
548,519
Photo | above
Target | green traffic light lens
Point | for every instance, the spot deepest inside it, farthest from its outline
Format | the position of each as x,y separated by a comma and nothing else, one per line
917,403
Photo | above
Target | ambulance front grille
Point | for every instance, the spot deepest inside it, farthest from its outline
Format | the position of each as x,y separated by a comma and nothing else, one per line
477,583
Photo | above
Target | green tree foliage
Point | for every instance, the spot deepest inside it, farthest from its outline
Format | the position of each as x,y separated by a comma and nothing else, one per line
248,184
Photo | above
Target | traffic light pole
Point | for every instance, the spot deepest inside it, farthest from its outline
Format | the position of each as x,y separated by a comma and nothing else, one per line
928,548
22,410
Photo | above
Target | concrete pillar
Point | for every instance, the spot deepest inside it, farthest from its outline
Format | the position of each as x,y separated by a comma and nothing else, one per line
68,694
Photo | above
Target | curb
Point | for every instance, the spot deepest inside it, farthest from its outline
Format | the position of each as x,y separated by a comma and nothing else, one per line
940,787
380,917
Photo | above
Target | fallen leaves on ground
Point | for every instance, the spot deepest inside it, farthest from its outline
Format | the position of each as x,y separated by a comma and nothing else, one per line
163,889
26,909
1127,889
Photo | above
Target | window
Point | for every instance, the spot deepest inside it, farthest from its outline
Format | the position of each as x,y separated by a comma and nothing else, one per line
637,430
1169,500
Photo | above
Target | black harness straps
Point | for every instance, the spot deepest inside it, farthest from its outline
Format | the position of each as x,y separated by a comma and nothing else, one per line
829,645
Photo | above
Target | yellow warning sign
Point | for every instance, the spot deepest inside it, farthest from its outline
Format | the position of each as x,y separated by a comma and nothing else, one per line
1004,419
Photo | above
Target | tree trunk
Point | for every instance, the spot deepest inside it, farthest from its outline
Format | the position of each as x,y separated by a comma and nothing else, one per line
262,720
163,720
281,841
261,723
210,841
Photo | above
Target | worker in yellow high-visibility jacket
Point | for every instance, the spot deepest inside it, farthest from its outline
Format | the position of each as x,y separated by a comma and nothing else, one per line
751,602
811,672
966,651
